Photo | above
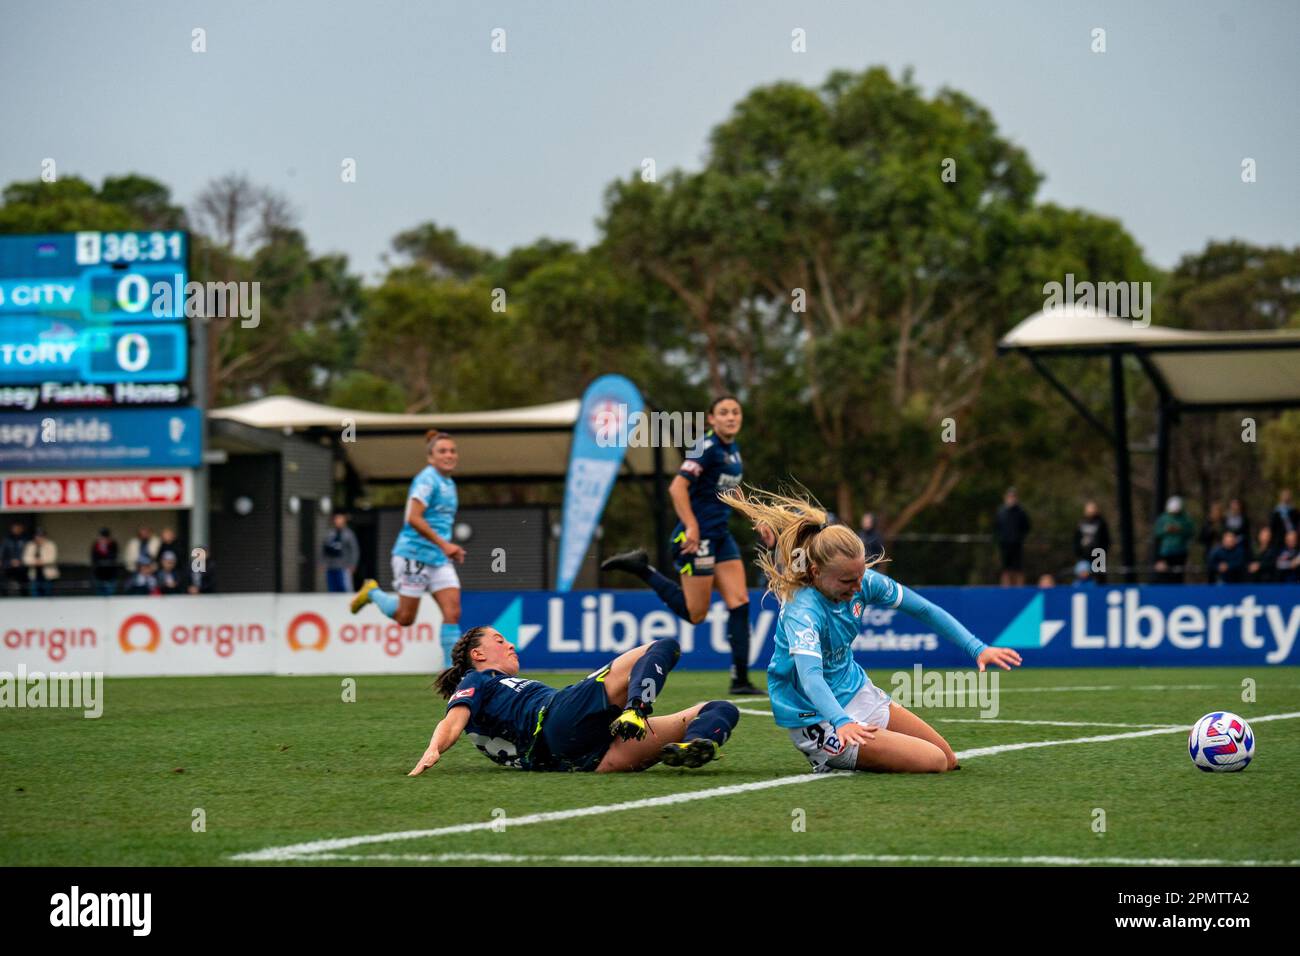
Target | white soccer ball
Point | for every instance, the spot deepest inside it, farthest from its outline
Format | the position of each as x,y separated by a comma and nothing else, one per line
1221,742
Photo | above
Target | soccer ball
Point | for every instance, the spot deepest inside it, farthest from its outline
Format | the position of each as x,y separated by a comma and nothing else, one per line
1221,742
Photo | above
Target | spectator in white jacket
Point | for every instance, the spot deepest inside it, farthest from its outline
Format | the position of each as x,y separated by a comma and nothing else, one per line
41,557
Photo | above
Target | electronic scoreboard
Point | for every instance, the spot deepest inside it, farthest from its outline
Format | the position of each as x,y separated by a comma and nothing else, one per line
93,320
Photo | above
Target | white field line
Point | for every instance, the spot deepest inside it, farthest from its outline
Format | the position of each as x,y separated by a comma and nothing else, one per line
298,850
808,858
1051,723
999,720
1051,690
1103,738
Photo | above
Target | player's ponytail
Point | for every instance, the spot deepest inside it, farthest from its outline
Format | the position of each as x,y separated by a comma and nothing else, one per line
803,537
447,682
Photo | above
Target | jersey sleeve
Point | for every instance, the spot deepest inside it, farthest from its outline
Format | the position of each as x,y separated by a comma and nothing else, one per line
883,591
422,488
701,459
880,590
803,633
818,691
469,693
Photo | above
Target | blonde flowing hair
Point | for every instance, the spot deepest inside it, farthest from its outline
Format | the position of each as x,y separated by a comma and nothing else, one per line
803,538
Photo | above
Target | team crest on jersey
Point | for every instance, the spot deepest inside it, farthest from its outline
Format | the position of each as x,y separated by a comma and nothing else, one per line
462,695
858,607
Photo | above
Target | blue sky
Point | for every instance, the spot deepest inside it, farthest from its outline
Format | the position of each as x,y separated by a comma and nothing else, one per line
507,148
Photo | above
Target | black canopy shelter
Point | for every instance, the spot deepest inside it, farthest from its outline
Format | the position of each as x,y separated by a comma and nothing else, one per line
1190,371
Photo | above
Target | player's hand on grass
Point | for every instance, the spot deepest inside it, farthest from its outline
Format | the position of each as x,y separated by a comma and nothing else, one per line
1004,657
856,733
428,760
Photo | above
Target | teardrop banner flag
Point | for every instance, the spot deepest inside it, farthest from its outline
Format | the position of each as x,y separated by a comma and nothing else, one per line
599,444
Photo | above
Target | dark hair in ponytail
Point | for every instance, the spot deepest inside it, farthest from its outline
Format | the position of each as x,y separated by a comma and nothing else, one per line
450,679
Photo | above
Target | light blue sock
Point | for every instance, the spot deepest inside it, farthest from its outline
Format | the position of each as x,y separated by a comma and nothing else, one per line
450,635
386,602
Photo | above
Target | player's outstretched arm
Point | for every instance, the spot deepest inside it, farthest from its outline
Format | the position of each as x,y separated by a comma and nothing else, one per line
445,734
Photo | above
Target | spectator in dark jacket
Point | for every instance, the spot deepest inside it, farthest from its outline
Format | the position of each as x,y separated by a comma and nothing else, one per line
170,578
1284,517
871,539
11,560
1211,532
1090,535
144,580
1226,564
103,563
342,554
200,577
1262,568
1011,527
1288,559
1237,522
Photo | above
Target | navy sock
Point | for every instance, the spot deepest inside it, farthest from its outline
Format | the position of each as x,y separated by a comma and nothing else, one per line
716,720
670,592
738,636
650,673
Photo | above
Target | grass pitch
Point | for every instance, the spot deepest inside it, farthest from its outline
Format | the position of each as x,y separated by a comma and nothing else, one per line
278,761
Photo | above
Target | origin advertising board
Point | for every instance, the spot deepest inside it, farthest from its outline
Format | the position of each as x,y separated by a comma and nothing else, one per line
1233,625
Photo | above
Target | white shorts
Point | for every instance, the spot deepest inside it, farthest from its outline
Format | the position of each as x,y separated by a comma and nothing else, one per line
413,578
823,747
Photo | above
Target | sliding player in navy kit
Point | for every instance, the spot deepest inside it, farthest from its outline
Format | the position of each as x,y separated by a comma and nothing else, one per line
602,723
705,553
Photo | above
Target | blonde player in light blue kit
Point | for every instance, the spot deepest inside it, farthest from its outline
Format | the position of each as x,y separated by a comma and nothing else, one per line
424,556
836,717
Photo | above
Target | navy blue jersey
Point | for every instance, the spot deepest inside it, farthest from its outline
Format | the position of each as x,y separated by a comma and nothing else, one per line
713,465
502,713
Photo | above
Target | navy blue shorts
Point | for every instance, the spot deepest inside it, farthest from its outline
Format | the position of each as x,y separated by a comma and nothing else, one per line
575,727
712,551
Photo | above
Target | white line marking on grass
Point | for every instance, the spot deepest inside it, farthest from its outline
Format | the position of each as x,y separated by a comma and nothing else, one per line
756,713
1050,690
1050,723
298,850
1103,738
802,858
499,824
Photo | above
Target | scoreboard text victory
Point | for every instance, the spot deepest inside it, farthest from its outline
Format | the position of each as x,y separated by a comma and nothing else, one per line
93,319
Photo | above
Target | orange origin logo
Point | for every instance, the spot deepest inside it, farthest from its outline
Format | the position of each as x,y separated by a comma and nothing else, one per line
308,620
150,625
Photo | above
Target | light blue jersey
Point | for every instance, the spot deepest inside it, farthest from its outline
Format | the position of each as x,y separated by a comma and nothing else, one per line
813,675
438,493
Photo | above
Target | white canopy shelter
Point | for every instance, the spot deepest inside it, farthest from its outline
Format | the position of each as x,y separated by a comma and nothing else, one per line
508,444
1203,369
1191,371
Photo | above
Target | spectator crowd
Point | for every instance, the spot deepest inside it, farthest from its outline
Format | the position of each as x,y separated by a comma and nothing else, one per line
148,564
1228,552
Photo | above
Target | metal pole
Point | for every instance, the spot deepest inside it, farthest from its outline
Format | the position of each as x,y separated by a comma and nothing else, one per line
1162,460
1122,465
661,504
199,509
